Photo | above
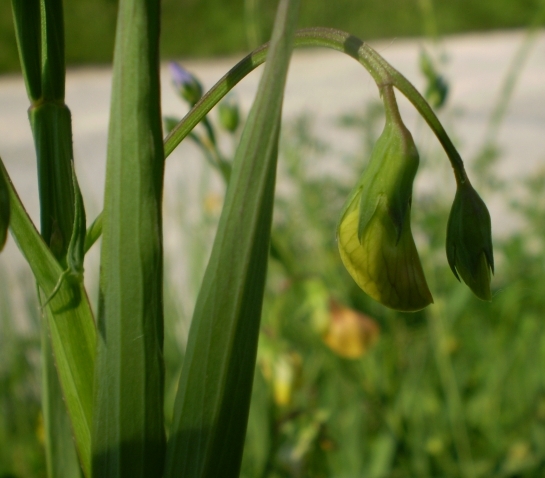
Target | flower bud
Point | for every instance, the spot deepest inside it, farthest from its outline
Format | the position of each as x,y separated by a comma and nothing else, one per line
229,114
469,241
374,233
187,85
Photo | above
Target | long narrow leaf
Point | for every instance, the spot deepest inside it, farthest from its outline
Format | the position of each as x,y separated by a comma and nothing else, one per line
71,326
40,37
62,460
211,409
128,428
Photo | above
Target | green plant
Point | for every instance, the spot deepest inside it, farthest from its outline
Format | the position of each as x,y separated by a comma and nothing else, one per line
103,382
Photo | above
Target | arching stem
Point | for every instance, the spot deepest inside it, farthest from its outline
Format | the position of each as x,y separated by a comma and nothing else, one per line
381,71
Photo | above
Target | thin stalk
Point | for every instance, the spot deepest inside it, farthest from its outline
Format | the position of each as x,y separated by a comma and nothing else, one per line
447,376
252,24
381,71
511,78
26,18
52,57
40,38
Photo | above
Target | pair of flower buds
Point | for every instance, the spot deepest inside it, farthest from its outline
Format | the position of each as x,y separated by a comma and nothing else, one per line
374,232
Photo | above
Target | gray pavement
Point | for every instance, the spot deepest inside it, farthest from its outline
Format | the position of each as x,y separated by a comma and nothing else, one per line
321,83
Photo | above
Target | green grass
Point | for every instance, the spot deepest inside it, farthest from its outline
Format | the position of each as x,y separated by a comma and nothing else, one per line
216,27
456,390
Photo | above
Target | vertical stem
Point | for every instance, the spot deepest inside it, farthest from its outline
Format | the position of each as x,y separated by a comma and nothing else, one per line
53,65
436,326
26,17
40,39
52,129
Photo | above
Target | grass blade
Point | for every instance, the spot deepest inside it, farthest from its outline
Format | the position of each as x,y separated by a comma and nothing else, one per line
128,429
211,409
72,329
62,459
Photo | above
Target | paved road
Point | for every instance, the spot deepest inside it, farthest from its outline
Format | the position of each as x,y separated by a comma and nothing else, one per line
321,83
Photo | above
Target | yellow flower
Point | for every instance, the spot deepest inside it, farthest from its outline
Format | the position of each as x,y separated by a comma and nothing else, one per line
350,334
386,269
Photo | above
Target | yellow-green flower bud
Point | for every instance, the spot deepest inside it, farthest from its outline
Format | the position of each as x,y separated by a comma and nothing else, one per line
374,233
469,241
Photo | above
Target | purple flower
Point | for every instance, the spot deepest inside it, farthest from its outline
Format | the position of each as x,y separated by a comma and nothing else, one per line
187,85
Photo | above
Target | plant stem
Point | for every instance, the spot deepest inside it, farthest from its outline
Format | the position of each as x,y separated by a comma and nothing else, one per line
381,71
447,375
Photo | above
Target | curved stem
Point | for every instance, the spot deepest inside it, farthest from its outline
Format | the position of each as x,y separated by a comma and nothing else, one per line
422,106
381,71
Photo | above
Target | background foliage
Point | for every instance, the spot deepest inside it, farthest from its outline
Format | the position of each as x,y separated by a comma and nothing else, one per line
217,27
456,390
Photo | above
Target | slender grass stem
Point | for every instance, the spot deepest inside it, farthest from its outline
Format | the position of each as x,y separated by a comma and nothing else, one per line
447,375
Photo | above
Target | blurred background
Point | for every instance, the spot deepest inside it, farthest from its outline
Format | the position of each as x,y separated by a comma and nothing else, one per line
343,387
207,28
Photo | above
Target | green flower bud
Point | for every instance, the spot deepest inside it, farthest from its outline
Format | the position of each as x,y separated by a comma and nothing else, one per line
189,88
374,233
229,114
4,211
469,241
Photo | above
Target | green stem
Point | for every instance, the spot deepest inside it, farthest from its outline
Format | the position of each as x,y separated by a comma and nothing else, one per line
53,66
26,19
447,376
512,77
395,78
381,71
